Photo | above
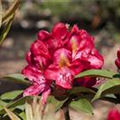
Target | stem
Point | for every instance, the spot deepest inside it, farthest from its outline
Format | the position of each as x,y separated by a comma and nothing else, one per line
65,108
66,113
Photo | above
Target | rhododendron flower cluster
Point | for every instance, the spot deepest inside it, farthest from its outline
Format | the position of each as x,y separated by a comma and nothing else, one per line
57,57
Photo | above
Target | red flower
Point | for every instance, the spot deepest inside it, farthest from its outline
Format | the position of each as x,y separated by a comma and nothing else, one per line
113,114
117,61
59,56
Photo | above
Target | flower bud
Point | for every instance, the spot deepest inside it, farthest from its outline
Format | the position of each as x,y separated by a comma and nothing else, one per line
113,114
117,61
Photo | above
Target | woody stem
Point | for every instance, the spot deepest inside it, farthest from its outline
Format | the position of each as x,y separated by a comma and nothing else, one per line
66,113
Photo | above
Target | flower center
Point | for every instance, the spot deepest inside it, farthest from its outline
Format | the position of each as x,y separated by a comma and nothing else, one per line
63,61
74,45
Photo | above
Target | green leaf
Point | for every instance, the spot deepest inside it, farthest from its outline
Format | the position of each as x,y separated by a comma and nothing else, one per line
80,89
23,115
2,103
57,104
110,86
7,15
20,107
97,73
19,102
51,99
14,104
82,105
11,95
19,78
6,29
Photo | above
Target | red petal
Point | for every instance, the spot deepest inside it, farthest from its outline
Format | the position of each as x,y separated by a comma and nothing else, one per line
75,29
45,95
85,35
51,42
117,62
63,77
39,48
29,58
80,43
43,35
78,66
95,59
33,90
118,55
33,74
59,31
56,38
74,39
37,61
52,72
38,89
62,57
73,45
86,43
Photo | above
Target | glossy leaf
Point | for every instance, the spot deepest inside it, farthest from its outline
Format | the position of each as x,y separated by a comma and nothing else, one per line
80,89
82,105
11,95
110,86
19,78
97,73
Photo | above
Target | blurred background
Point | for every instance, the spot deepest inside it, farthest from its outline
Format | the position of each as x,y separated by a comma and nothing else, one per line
101,18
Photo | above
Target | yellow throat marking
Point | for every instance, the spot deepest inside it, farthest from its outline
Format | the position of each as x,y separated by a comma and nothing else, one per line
63,61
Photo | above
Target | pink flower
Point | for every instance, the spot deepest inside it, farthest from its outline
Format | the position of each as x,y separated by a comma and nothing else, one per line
113,114
59,56
117,61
